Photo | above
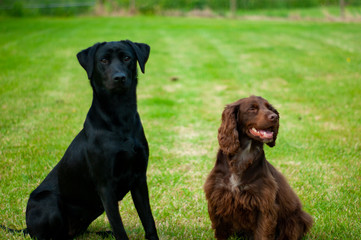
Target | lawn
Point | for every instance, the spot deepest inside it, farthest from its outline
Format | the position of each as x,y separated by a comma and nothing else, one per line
316,13
311,72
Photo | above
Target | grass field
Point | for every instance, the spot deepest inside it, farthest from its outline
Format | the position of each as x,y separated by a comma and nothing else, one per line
315,13
311,72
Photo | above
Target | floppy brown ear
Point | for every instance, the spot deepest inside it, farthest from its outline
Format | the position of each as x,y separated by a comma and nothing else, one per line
86,58
275,133
228,136
142,51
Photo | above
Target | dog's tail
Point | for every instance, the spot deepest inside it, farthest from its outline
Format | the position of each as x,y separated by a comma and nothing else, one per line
23,231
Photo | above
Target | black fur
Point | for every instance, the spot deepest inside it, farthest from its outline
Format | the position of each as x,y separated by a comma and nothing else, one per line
106,160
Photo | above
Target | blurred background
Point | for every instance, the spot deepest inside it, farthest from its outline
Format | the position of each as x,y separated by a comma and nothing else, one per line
294,9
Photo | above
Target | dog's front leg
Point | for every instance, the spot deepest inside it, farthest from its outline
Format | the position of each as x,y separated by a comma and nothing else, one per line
110,204
141,201
266,225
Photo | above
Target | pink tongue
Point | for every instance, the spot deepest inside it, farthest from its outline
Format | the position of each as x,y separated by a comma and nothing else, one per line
262,133
266,134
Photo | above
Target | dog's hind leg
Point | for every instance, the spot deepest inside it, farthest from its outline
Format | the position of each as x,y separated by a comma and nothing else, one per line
44,217
295,226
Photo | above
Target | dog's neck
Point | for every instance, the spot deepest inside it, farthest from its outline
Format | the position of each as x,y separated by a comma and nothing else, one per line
247,155
113,112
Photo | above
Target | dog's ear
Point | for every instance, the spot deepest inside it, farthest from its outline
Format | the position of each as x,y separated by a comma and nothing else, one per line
275,133
142,51
86,58
228,136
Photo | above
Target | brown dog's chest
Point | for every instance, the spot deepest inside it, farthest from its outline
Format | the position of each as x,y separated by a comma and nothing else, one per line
242,202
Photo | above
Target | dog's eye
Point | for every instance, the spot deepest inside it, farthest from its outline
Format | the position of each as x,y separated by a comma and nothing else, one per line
269,107
253,108
104,61
126,59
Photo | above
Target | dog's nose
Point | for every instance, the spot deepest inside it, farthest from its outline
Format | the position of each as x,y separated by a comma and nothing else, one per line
273,117
119,77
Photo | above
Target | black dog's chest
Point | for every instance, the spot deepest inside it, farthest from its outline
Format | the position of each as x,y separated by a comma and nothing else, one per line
128,167
117,159
128,159
119,151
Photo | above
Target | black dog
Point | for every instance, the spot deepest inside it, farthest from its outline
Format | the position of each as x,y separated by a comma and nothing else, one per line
106,160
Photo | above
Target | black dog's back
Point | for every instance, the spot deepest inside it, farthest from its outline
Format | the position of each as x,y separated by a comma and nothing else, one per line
106,160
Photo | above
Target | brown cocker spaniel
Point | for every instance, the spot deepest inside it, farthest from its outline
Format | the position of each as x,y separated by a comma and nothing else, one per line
246,195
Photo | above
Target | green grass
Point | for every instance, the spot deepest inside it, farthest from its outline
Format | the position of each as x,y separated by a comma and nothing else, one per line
311,72
313,13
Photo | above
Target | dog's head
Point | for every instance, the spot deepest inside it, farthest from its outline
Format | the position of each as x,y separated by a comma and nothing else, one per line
113,65
252,118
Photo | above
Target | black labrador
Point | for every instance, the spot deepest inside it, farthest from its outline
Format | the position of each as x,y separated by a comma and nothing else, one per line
106,160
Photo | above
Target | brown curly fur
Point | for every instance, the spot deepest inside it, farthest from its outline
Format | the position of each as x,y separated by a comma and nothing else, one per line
246,195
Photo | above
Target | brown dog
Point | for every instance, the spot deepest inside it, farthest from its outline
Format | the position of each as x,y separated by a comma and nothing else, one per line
246,195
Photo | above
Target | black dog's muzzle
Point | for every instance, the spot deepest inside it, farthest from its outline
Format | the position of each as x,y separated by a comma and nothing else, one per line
119,77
